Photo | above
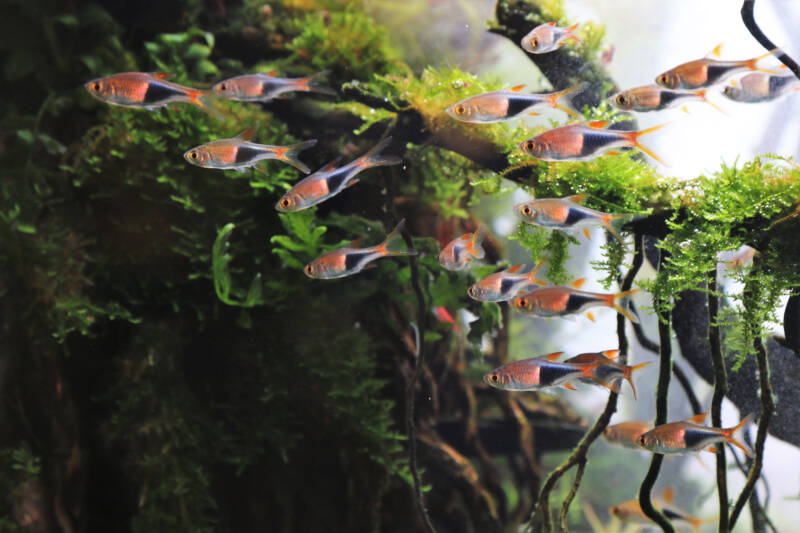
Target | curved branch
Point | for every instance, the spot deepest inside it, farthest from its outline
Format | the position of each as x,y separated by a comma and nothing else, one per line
750,23
720,389
664,372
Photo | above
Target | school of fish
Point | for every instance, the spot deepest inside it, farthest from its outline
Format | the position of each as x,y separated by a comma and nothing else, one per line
517,286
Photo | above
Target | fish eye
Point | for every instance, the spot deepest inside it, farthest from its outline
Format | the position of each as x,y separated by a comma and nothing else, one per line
193,155
96,87
663,79
460,109
309,269
522,302
526,210
223,86
621,100
642,440
286,202
494,378
471,291
529,146
534,42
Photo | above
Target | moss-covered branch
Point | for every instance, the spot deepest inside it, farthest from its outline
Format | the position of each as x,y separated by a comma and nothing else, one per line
720,389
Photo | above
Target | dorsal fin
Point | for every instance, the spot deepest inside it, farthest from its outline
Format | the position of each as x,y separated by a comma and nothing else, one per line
551,23
590,316
247,134
668,495
569,386
162,75
698,419
355,243
514,269
552,356
578,283
517,88
711,449
466,237
611,354
598,124
716,51
330,166
272,73
577,198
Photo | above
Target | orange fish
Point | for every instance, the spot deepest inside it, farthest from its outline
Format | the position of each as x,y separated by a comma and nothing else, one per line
538,373
632,511
706,72
350,260
609,372
144,90
265,87
688,436
655,98
499,106
567,214
582,142
761,87
626,434
502,286
330,181
560,301
238,153
548,37
459,252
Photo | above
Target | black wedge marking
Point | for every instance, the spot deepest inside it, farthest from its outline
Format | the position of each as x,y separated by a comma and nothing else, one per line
507,285
776,83
157,92
549,374
352,259
337,178
715,72
245,154
668,97
575,215
576,302
695,437
672,515
517,105
594,141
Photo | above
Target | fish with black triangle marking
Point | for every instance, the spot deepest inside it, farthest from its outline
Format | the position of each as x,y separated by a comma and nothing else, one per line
350,259
563,300
501,106
146,90
263,87
539,373
459,252
504,285
609,372
239,153
548,37
568,214
330,181
689,436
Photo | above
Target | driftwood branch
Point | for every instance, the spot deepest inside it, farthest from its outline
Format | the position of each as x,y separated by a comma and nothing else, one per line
720,389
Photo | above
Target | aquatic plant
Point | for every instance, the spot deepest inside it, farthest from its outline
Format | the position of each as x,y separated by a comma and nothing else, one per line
158,323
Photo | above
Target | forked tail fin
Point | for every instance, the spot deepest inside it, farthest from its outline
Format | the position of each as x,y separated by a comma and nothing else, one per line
373,158
611,301
702,93
553,98
752,63
571,32
633,137
629,370
532,274
311,84
203,100
730,431
476,243
289,154
392,239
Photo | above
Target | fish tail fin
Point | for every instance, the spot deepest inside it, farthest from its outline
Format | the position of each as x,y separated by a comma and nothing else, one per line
629,375
607,219
571,33
553,98
289,154
702,93
384,248
730,431
532,274
633,137
611,301
752,63
203,99
373,158
311,84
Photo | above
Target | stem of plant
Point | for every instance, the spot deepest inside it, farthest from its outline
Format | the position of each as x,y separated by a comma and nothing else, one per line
720,390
